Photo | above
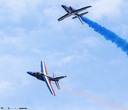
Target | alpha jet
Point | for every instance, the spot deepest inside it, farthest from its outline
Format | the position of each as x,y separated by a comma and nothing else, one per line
43,76
72,11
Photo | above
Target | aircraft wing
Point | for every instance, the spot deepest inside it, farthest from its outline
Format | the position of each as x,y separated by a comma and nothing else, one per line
81,9
58,78
46,78
63,17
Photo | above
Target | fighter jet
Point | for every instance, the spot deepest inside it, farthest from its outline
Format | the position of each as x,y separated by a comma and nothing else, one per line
43,76
72,11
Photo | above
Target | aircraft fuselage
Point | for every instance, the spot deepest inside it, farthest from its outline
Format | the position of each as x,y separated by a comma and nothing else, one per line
39,75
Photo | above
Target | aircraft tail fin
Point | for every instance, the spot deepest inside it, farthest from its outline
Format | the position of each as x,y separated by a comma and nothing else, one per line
57,84
79,16
80,20
57,81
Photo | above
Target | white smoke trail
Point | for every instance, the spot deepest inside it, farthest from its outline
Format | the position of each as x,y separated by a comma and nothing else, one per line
120,107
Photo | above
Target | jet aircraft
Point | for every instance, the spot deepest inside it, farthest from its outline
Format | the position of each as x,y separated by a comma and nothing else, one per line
72,11
43,76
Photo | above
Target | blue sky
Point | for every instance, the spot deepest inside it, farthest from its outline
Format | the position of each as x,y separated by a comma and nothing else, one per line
30,32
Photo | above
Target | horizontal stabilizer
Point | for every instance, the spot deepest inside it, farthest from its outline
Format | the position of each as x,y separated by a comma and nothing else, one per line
57,80
75,17
79,15
83,13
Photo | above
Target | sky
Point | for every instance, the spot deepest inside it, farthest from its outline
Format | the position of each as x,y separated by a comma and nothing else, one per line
96,68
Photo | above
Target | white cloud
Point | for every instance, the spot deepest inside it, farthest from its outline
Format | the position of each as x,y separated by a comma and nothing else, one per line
66,60
93,42
10,40
10,64
35,50
115,62
106,7
14,37
16,9
5,88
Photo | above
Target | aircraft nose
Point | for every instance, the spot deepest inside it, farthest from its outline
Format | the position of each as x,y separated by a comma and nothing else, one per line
29,72
63,6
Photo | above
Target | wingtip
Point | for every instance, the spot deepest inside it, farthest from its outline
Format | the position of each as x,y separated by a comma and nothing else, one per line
54,94
42,61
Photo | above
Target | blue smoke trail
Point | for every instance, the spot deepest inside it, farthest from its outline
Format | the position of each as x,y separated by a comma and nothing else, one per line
109,35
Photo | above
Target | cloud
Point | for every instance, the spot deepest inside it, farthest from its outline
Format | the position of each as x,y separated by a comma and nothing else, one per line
92,42
10,40
13,73
66,59
6,88
15,9
115,62
11,62
106,7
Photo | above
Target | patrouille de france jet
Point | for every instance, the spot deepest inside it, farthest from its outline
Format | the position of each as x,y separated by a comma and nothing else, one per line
43,76
72,11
